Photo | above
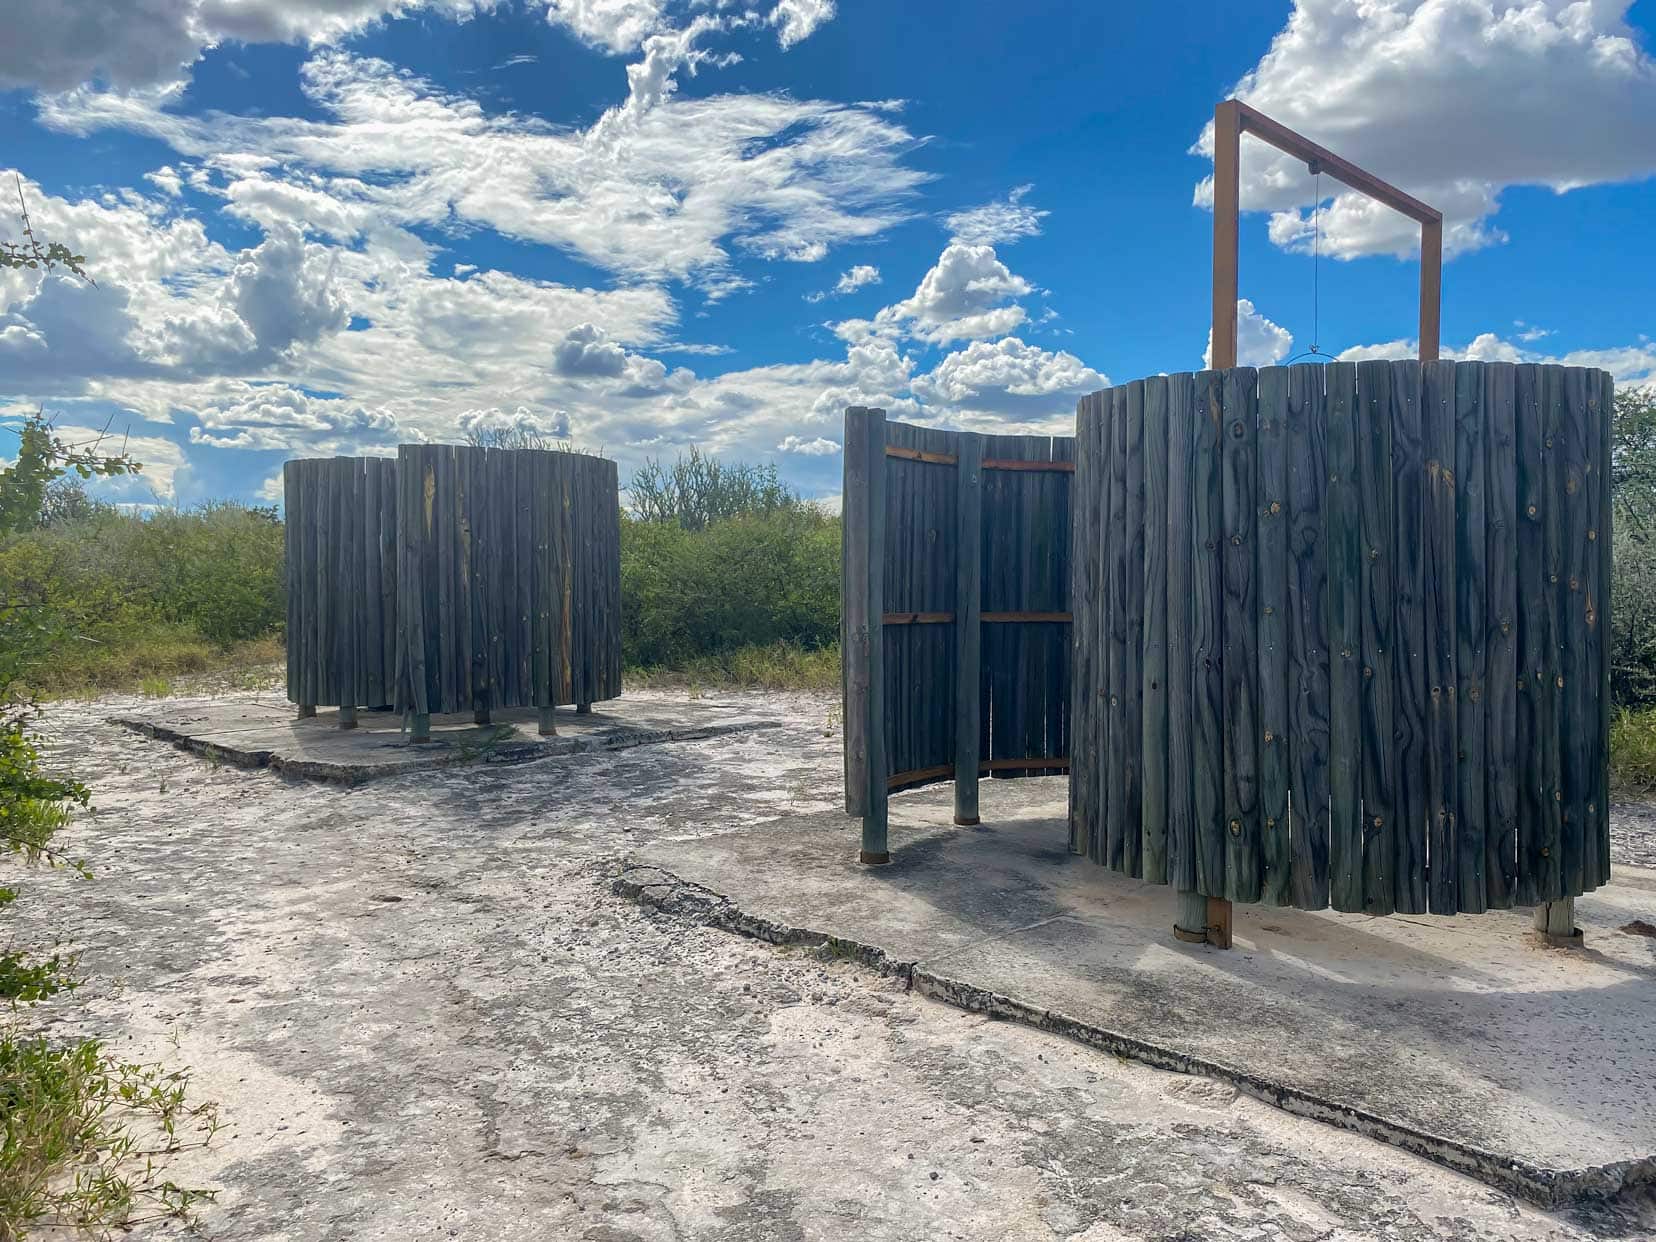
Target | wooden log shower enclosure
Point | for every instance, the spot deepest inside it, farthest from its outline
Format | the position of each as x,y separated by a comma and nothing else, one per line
453,579
1341,634
955,621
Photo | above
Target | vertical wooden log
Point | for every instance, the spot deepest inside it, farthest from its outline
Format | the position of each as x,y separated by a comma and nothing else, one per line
1601,637
1132,683
1408,468
1552,681
1555,921
863,643
1115,774
1578,717
1345,634
1531,791
1153,680
1500,637
290,562
1181,812
1471,622
1105,784
1374,472
1082,602
1308,649
347,716
548,721
1442,746
1240,629
1206,638
1272,518
968,626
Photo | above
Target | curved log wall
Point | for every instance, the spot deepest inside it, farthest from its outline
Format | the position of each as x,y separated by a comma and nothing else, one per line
453,579
1341,634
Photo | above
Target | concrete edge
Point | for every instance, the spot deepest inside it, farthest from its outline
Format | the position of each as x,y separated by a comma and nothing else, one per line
440,755
653,886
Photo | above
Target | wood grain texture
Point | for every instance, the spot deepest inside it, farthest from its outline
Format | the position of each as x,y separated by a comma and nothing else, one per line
1343,523
1500,775
1409,664
1153,641
1240,634
1181,823
1308,646
1271,524
1207,638
1379,762
1471,626
1437,412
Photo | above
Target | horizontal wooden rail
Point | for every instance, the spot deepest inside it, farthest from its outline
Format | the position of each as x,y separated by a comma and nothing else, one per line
942,771
931,459
1001,463
916,618
1059,618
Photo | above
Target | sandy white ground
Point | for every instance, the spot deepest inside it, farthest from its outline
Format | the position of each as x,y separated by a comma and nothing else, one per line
426,1015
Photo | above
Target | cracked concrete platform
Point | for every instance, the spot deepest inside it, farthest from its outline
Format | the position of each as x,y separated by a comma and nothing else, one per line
264,732
1460,1039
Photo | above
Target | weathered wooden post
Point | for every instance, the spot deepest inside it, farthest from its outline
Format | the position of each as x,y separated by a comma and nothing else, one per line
968,628
862,639
307,711
548,722
347,716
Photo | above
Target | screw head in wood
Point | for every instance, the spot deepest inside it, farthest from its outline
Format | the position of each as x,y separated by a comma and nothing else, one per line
1592,535
1545,852
1532,510
1236,827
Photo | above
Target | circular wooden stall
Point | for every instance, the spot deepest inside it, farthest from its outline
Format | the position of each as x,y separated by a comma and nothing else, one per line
1341,634
453,579
955,621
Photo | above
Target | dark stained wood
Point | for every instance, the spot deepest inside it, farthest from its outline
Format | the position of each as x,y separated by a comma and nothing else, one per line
1599,640
1206,639
1409,664
1379,763
1500,774
1578,698
1548,604
1343,524
1308,649
1471,625
1045,618
1238,433
1529,714
1271,519
1437,412
1115,771
1181,826
1038,467
1153,644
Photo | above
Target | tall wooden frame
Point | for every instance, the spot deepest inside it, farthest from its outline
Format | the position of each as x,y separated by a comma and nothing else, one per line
1233,118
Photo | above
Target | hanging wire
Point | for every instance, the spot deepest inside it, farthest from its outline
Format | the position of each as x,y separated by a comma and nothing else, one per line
1316,269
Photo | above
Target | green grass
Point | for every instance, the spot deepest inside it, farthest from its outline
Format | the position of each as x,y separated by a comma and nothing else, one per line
1633,751
772,666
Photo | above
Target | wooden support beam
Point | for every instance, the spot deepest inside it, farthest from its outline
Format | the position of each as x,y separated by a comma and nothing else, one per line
480,715
1232,119
549,721
307,711
419,727
931,459
968,629
862,636
1002,463
1055,618
347,716
583,709
916,618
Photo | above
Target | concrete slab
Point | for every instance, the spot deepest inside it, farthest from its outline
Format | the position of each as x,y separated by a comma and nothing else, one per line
1460,1039
265,732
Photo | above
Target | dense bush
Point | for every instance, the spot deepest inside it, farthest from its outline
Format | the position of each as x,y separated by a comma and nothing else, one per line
139,595
743,581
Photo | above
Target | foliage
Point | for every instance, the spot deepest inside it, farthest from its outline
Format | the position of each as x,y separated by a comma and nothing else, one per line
1633,581
754,580
43,458
84,1131
514,437
778,666
137,596
697,491
30,253
1633,751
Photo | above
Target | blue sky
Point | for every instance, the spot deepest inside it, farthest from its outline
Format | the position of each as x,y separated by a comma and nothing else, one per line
329,226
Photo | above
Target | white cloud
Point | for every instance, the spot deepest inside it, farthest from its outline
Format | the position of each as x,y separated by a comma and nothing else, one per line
1633,365
1452,100
999,222
141,43
617,26
584,351
1009,377
799,19
551,424
1259,342
161,462
960,297
849,282
658,188
821,446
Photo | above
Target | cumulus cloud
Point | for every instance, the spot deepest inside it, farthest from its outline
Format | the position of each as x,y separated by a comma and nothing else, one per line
821,446
961,297
585,351
283,290
1453,100
849,282
798,19
1259,342
1009,377
239,415
552,425
996,223
1633,365
616,26
140,43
